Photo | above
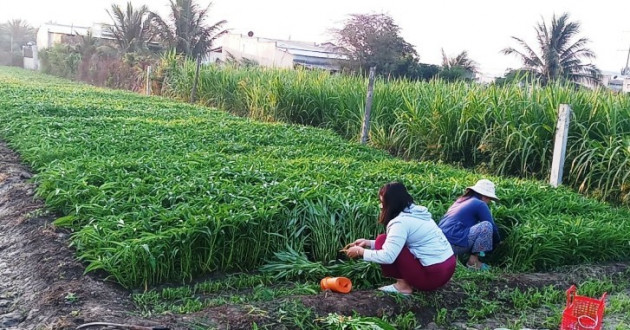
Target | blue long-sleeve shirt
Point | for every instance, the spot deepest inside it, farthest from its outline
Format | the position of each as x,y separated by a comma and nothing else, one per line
461,216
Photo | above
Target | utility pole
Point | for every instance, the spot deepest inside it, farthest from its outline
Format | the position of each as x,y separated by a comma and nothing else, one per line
626,70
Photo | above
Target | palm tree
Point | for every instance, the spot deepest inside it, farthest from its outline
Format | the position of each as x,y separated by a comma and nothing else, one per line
461,60
132,28
188,32
17,33
460,67
559,58
88,45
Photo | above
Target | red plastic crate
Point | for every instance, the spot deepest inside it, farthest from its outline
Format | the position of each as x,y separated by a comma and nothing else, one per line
582,313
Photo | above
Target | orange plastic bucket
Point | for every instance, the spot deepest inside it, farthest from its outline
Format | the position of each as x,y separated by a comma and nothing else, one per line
336,284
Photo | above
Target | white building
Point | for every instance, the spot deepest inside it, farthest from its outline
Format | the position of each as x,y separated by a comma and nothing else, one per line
51,34
617,82
277,53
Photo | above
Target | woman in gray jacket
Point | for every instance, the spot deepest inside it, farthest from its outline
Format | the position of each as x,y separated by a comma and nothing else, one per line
413,249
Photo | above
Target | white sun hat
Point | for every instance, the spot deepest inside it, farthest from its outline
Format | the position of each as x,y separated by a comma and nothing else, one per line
485,187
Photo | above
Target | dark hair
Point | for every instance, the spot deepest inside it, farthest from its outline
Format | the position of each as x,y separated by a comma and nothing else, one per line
468,194
395,199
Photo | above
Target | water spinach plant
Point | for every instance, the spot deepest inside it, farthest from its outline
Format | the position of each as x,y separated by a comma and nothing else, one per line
159,191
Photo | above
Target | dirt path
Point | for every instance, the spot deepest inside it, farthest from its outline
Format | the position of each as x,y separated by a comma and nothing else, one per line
43,287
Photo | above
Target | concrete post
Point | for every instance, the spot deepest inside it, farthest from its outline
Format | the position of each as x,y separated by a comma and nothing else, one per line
148,86
365,129
196,81
560,146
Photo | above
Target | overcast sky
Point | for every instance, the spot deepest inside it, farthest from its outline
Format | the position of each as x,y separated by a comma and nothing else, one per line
482,27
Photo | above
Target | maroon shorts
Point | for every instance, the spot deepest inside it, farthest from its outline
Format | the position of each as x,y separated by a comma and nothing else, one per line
408,268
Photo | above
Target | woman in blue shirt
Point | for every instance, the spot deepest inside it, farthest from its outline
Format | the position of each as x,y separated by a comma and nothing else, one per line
468,224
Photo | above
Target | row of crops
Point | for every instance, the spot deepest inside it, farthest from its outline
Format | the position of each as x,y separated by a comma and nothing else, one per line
505,130
156,190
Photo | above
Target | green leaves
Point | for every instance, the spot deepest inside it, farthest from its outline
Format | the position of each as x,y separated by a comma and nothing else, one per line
64,221
291,265
158,191
341,322
503,130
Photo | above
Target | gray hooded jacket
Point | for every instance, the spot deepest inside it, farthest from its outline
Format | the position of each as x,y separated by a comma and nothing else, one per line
413,228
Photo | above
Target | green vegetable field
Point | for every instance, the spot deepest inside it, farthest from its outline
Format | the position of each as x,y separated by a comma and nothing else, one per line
159,191
506,130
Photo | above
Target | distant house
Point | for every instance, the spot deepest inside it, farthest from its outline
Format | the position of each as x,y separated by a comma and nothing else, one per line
277,53
616,82
51,34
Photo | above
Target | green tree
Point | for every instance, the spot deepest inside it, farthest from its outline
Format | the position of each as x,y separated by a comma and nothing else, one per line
14,34
461,60
516,75
88,45
60,60
558,56
460,67
374,40
427,71
187,30
132,27
455,73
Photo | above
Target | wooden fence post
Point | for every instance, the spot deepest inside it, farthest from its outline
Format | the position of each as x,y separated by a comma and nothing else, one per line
560,145
365,128
194,88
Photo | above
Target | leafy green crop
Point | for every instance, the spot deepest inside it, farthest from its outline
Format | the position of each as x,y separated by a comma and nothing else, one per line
159,191
505,130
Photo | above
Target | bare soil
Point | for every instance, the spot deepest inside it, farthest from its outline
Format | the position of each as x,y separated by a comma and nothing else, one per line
43,287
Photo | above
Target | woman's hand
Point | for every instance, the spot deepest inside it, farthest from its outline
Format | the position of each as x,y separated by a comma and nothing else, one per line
355,252
362,242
